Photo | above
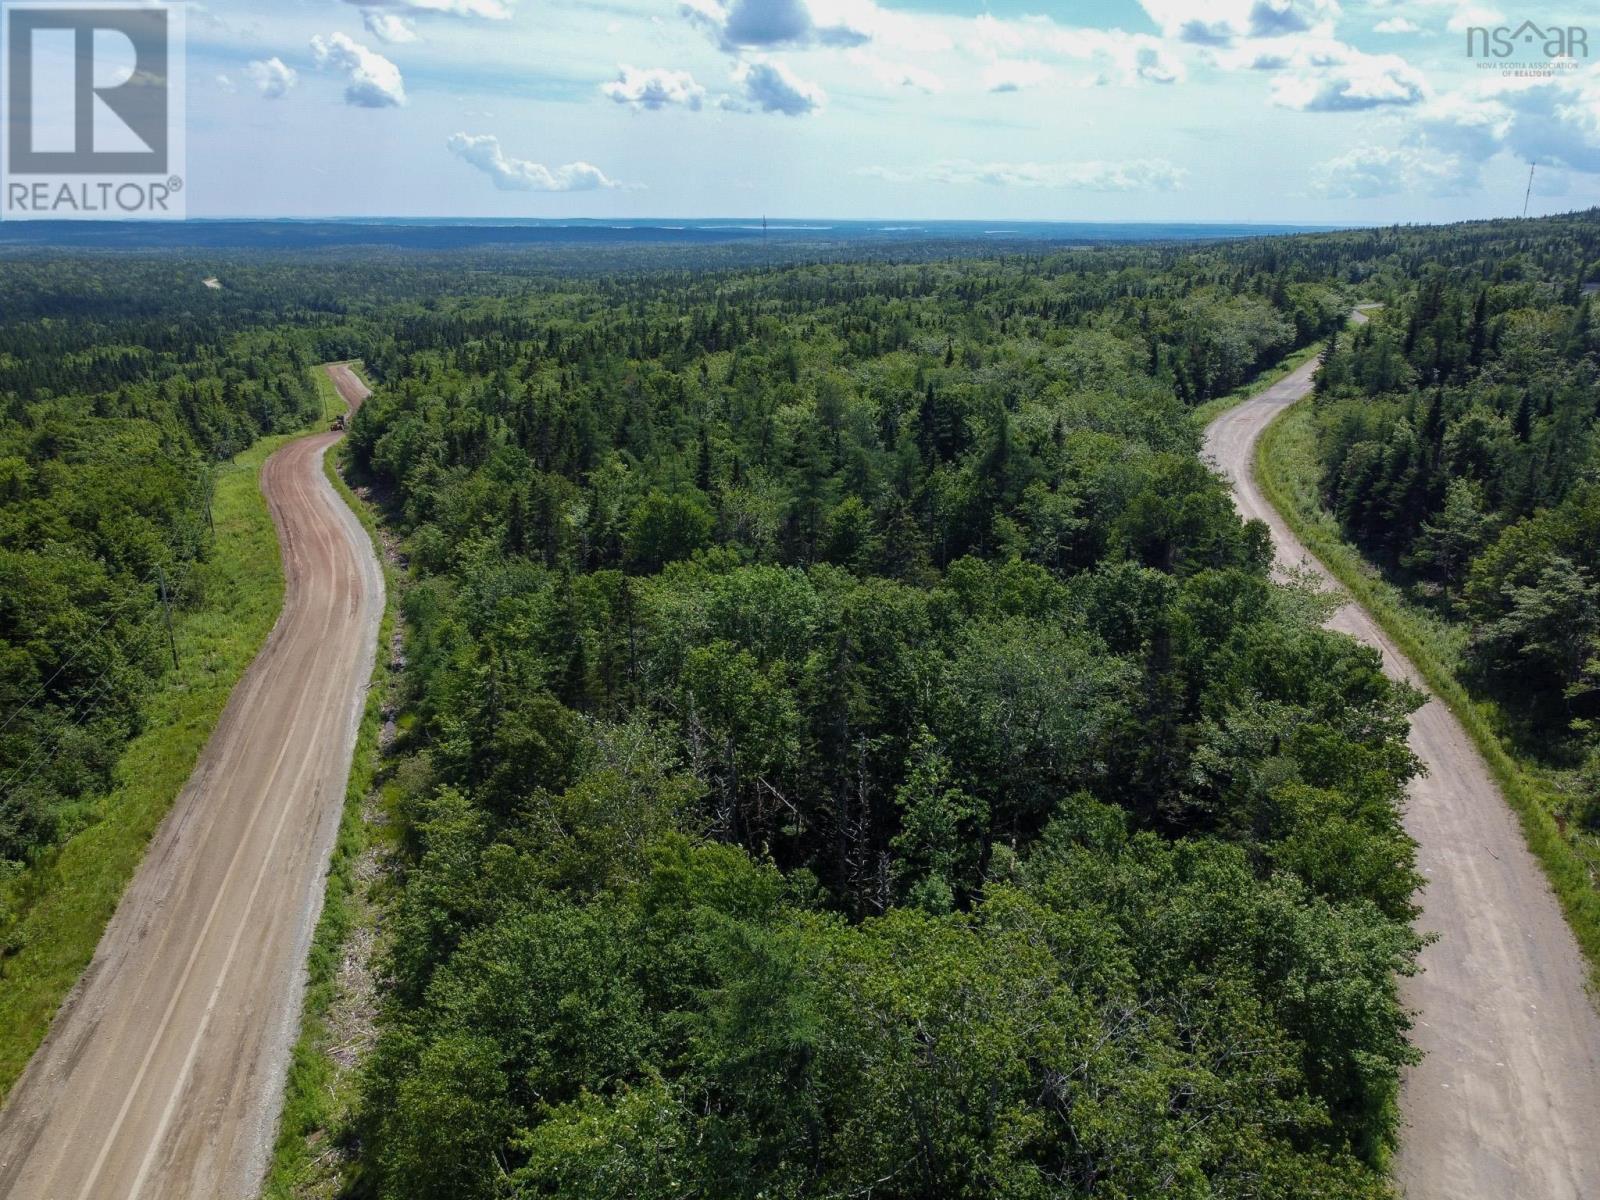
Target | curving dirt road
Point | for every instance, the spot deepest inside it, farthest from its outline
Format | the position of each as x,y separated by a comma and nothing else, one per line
163,1073
1506,1103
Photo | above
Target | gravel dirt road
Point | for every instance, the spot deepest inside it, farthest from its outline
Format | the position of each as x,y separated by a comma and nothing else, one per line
1506,1103
163,1073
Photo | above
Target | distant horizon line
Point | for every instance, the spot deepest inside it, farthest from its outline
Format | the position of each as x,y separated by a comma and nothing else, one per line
810,221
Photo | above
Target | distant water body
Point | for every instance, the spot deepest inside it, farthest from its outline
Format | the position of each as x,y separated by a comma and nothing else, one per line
461,234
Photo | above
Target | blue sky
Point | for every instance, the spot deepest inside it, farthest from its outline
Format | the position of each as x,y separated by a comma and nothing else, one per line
1365,111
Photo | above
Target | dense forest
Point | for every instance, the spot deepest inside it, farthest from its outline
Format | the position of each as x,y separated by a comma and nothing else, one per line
851,743
1457,435
119,404
858,747
126,384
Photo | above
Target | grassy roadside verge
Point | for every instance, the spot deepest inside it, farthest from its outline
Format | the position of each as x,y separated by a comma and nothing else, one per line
332,401
64,901
316,1093
332,404
1286,470
1214,408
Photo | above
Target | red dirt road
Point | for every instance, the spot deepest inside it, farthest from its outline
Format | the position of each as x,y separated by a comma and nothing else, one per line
1506,1103
163,1073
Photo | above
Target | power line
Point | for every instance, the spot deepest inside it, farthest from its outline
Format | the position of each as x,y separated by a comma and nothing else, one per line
75,721
98,689
166,610
72,658
149,580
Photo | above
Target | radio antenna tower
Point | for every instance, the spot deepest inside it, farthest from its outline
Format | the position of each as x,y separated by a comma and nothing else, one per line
1528,195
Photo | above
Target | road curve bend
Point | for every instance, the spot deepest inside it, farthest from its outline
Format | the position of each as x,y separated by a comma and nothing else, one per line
163,1073
1506,1103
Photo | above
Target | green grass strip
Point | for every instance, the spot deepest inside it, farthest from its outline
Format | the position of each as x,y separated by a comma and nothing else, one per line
59,906
1286,470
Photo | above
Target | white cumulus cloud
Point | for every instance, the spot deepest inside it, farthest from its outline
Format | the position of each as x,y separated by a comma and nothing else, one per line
1363,173
519,174
1132,175
771,24
1462,128
654,88
772,87
1397,25
388,27
273,77
1336,78
1369,172
1556,122
374,81
1222,22
1152,66
1444,144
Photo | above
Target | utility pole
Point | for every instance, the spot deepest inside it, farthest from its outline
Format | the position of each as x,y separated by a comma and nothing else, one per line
166,608
1528,195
